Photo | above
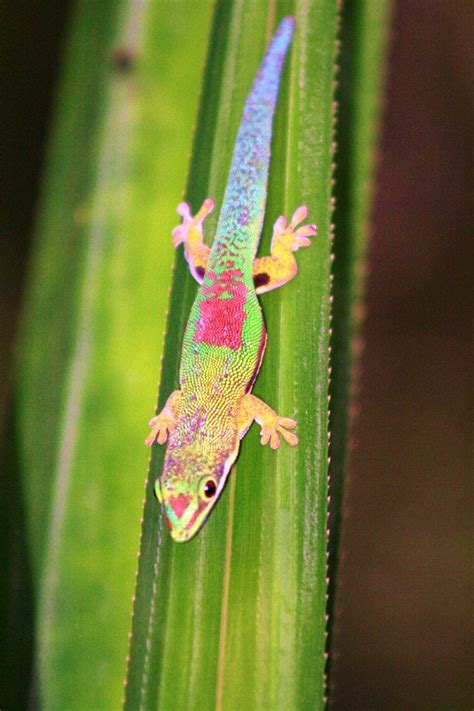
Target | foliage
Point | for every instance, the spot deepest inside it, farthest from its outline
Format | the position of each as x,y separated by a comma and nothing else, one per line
237,616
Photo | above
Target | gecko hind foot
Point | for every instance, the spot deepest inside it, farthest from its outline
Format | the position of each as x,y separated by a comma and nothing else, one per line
272,425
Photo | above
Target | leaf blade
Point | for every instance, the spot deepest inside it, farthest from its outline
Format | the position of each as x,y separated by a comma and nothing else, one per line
184,652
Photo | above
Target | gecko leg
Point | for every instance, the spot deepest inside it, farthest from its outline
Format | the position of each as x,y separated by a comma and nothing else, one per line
190,233
165,422
252,408
274,271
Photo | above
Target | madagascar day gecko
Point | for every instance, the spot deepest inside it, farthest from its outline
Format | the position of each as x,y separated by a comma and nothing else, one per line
225,336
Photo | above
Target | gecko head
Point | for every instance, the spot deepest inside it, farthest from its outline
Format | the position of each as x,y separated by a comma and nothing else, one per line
189,488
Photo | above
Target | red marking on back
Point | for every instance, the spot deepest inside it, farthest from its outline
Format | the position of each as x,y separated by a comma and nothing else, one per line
179,504
222,313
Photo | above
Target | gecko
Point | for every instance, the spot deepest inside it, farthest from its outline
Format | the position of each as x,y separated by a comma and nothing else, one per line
225,337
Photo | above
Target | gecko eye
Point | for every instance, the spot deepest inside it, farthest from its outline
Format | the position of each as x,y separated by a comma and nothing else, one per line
207,488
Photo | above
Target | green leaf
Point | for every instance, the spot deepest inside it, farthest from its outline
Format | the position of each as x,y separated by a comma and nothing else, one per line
51,314
92,332
236,617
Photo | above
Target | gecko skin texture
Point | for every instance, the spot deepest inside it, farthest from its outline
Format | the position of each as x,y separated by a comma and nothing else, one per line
204,421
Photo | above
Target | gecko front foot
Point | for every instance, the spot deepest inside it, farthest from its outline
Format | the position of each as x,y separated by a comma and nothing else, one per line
290,236
274,271
164,423
161,426
191,226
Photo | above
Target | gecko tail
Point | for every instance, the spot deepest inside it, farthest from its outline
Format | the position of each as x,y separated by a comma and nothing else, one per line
243,208
265,86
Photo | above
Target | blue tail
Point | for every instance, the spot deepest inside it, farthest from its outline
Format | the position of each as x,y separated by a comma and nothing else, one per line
243,209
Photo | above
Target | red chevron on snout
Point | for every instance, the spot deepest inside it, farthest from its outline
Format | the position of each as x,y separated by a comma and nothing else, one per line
179,504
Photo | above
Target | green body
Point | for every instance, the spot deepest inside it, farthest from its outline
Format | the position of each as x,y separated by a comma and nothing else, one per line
225,336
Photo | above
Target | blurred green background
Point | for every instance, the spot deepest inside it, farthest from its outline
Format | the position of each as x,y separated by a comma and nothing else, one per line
402,634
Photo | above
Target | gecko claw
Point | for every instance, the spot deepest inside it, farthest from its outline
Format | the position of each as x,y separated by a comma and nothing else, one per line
206,208
307,231
180,232
300,214
184,210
